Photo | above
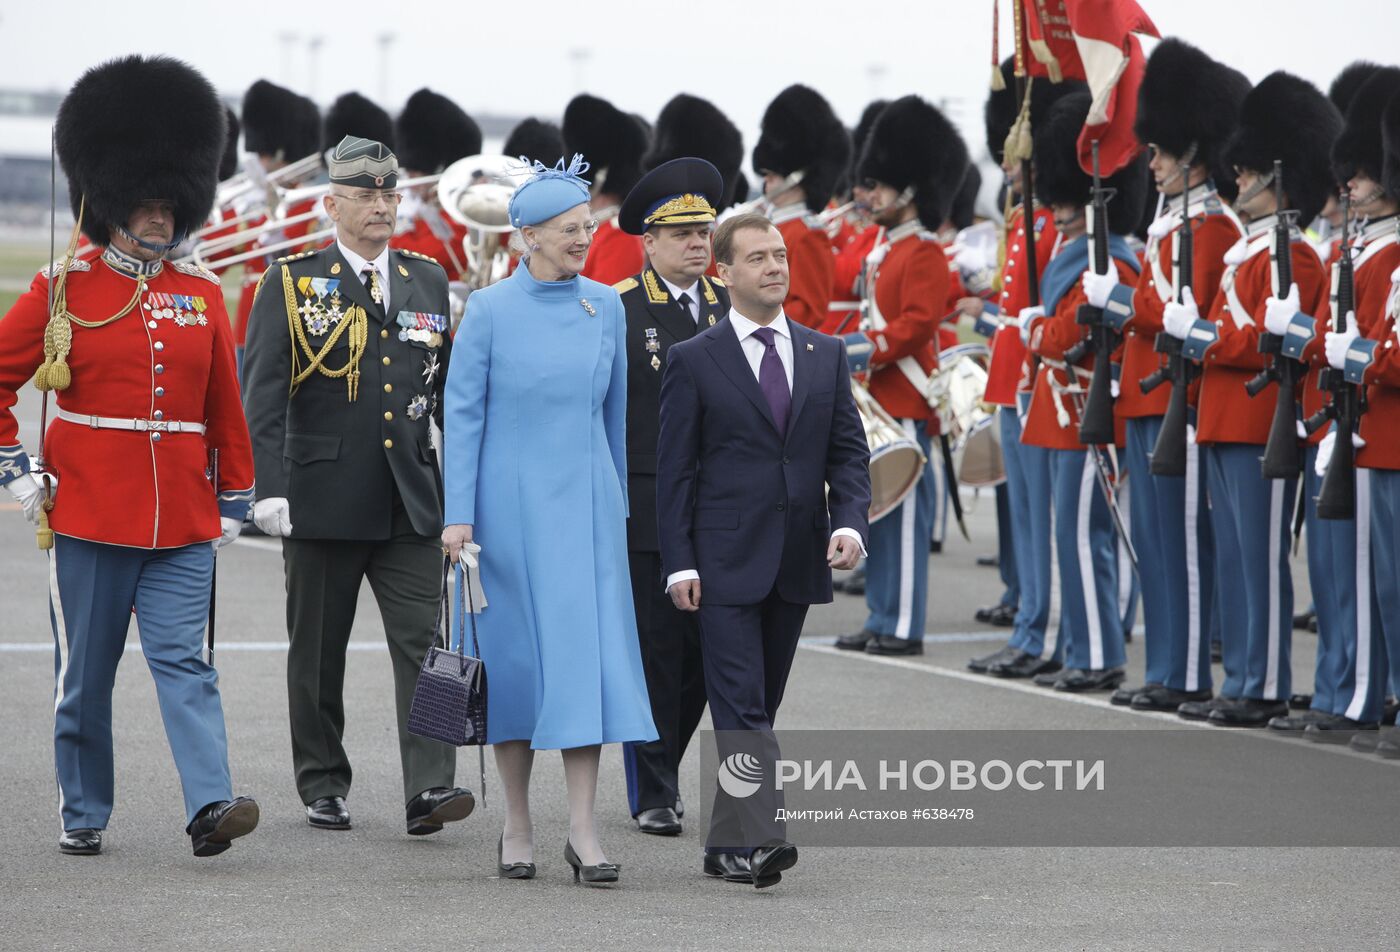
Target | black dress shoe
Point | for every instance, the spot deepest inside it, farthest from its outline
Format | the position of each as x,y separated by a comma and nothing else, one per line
85,842
984,614
1079,680
1123,697
511,870
731,867
1004,653
219,824
427,812
936,548
1159,697
601,873
328,813
1217,653
1247,712
1022,665
1300,702
1337,729
1302,620
1201,710
1048,675
890,645
769,861
988,561
1294,723
1390,711
660,821
1004,616
856,642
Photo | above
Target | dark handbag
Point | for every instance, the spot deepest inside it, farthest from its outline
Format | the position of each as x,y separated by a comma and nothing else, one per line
449,701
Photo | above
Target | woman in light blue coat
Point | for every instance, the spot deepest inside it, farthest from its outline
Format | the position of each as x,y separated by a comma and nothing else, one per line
536,474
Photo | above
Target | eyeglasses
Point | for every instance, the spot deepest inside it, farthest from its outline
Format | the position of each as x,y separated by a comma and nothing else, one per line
570,232
370,198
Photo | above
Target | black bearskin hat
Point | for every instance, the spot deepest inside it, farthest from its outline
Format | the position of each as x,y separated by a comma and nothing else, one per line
536,140
1002,108
611,141
280,123
116,157
432,132
799,132
691,126
354,115
228,165
1390,137
1188,99
1358,148
1348,81
1289,119
964,210
913,145
1060,180
861,132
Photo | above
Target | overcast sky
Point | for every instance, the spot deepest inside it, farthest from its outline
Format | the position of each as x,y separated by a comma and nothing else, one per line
531,57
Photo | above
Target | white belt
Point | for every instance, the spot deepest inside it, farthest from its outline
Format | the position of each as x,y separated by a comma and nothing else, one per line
124,423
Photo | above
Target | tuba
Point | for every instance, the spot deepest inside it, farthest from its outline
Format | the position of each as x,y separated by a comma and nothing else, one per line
476,192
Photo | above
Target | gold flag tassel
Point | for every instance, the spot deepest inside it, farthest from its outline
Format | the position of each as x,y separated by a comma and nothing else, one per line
998,80
54,373
43,536
1018,140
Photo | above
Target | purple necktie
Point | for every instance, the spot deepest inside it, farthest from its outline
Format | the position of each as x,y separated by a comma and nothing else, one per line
772,380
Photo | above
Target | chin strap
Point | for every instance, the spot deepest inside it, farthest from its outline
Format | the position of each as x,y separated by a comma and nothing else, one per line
149,246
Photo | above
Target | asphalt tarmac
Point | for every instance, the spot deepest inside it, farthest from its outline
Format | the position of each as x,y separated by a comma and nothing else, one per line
289,887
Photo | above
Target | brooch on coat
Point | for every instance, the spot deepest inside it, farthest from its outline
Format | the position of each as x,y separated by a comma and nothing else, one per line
315,315
421,327
184,309
592,311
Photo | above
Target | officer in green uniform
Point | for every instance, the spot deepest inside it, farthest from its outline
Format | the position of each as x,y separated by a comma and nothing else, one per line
343,372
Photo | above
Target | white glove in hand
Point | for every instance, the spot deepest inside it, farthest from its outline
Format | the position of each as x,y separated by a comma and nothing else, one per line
1328,446
1178,318
1026,320
970,259
1097,287
1338,343
1278,314
228,531
29,493
273,516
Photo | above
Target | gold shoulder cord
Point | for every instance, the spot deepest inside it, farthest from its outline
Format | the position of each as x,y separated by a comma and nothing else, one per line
358,325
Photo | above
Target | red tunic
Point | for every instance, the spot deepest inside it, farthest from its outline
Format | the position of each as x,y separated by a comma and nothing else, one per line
843,311
124,487
1007,371
424,240
1226,413
614,254
811,266
910,287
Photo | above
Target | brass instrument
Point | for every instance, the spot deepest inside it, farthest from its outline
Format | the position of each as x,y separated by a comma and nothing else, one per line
896,460
476,192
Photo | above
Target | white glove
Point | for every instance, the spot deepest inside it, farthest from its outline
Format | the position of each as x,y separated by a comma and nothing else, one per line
1097,287
1026,321
1338,343
1328,446
1178,318
29,493
228,531
1278,314
971,259
273,516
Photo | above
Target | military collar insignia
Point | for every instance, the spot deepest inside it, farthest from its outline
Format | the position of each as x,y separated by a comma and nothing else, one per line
183,309
77,264
335,267
900,232
787,213
656,294
131,267
421,327
709,292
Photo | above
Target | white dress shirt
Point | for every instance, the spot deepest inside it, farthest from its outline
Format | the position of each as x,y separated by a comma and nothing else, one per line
754,349
693,291
357,264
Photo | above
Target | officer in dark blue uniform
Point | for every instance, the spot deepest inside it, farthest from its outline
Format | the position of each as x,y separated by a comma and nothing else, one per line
673,209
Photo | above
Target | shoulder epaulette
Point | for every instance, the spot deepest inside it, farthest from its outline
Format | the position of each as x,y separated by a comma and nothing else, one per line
814,222
416,254
625,285
299,255
78,264
189,267
716,282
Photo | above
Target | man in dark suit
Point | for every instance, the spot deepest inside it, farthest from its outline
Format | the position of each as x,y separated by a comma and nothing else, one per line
761,453
673,210
343,373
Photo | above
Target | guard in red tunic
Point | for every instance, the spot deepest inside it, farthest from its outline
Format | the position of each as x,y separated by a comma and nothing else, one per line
912,164
432,132
801,152
1282,118
139,356
1187,109
852,237
613,143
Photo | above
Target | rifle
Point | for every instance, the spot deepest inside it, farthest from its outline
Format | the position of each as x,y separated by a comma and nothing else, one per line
1336,499
1169,453
1096,419
1283,459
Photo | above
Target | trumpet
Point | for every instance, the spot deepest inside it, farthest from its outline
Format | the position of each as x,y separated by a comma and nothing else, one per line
255,187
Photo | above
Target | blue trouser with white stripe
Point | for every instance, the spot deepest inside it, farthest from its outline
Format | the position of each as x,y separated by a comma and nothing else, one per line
93,588
1176,556
896,566
1250,516
1028,490
1086,547
1006,547
1385,569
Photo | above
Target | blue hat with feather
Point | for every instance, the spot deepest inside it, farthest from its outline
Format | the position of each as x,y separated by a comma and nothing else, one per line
549,191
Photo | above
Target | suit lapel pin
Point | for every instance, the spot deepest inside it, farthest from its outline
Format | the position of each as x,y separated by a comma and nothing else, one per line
655,362
335,268
809,346
403,271
712,320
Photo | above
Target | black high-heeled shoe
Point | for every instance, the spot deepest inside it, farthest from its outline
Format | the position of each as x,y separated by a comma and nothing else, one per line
512,870
602,873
